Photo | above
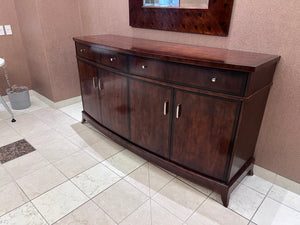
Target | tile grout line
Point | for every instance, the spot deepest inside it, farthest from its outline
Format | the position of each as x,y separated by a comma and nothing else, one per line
173,178
207,197
275,200
121,178
139,206
195,187
152,198
67,179
89,199
32,204
255,189
272,185
68,114
261,204
266,195
9,211
227,206
106,158
114,183
92,199
27,113
149,185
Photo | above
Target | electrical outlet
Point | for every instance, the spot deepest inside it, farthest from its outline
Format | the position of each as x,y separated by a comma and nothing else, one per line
8,29
1,30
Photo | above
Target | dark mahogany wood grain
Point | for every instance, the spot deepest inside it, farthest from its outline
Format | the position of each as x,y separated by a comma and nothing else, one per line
149,126
86,51
260,79
114,102
212,141
215,20
170,84
230,82
203,133
213,184
89,92
251,115
188,54
103,56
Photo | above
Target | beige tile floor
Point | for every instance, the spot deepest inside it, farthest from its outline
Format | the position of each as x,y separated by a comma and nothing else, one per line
78,176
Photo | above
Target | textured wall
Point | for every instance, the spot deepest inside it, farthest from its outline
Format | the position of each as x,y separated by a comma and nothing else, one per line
47,28
259,26
12,49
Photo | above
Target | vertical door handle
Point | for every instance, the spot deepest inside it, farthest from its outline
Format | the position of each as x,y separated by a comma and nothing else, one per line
178,111
94,82
99,84
165,108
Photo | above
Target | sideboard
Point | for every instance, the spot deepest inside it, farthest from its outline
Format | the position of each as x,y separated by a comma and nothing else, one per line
195,111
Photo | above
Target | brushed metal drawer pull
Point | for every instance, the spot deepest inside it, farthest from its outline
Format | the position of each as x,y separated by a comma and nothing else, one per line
113,59
144,67
214,79
165,108
94,82
99,84
82,50
178,111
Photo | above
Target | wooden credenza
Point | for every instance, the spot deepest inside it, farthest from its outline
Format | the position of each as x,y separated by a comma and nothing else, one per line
195,111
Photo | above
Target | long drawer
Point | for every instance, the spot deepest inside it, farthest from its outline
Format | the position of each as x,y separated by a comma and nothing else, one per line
225,81
102,56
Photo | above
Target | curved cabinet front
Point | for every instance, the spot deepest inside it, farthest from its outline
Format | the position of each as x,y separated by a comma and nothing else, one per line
195,111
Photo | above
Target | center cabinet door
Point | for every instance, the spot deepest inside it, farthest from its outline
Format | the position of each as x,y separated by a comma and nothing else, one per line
150,116
203,132
114,102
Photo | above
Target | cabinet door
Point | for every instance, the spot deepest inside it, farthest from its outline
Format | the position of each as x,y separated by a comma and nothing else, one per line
114,102
203,132
150,116
89,90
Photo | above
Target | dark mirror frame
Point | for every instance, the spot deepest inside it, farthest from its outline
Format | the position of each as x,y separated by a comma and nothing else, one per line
214,21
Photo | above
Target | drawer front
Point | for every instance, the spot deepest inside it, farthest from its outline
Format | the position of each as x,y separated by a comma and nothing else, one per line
105,57
87,52
225,81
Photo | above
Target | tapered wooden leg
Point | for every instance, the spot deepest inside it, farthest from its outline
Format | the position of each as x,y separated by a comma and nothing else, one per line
83,120
225,198
250,173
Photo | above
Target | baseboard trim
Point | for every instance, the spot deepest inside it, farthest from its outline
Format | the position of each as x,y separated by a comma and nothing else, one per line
58,104
277,179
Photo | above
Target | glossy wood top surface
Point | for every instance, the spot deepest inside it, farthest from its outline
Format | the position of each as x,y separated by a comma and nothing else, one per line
196,55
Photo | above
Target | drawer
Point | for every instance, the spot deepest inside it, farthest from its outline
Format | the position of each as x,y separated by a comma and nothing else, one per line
219,80
103,56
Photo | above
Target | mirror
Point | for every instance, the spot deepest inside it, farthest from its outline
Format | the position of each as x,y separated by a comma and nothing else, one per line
203,4
193,16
